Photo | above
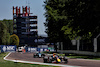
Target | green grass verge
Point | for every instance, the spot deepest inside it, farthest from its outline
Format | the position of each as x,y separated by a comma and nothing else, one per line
83,57
4,63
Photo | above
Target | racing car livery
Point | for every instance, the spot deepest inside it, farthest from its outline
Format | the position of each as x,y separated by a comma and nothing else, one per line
38,55
55,58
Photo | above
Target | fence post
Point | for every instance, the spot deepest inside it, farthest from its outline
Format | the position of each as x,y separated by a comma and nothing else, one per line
95,44
61,45
78,44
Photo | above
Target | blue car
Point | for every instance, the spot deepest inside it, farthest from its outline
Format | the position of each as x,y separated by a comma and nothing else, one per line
38,55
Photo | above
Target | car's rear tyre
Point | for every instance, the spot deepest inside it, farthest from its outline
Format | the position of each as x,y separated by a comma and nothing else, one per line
50,59
34,56
42,55
66,60
45,59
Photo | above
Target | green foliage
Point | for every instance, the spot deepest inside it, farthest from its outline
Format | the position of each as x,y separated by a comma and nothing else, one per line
9,24
55,17
14,39
72,18
82,19
8,38
4,35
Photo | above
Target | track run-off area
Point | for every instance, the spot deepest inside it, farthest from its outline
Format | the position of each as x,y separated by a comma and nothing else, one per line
28,58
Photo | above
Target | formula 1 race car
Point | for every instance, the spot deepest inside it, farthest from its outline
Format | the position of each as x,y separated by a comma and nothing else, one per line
38,55
55,59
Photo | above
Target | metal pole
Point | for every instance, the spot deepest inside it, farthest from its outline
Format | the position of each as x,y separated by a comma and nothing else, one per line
78,44
95,44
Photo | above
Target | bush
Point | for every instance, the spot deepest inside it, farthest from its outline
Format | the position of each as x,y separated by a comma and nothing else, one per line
14,40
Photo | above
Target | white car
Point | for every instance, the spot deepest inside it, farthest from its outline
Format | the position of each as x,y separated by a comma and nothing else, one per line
20,49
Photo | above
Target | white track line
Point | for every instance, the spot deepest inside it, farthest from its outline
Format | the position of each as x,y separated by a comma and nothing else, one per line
37,62
6,56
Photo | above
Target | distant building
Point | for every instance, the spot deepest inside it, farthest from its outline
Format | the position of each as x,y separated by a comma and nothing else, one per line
25,26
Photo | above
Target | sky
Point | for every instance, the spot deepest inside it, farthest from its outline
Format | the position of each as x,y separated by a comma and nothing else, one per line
36,7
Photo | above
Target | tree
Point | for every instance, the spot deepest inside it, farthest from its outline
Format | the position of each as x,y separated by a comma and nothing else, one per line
82,19
55,17
8,38
9,24
72,19
77,18
4,35
14,39
55,20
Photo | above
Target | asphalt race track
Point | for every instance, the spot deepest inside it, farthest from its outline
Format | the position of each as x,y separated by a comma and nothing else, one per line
73,62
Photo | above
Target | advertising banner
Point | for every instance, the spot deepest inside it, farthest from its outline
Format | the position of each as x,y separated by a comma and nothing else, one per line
12,48
8,48
31,49
34,49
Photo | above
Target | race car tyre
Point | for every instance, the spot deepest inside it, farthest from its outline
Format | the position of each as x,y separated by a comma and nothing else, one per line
45,59
50,59
42,55
66,60
34,56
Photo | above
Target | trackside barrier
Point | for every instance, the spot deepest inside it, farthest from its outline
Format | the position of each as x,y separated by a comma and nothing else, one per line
8,48
34,49
12,48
